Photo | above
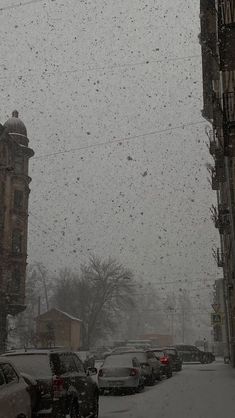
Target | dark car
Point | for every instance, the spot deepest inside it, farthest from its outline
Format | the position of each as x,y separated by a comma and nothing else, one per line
192,354
176,360
166,362
63,386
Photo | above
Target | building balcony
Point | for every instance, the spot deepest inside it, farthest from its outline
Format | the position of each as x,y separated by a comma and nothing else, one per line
217,177
215,148
227,12
226,47
219,257
214,182
221,219
226,33
229,123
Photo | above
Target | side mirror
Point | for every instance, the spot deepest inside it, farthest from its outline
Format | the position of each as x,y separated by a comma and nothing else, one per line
91,371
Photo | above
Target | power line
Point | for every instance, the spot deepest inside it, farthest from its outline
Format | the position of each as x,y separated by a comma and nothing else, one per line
120,140
46,73
129,65
17,5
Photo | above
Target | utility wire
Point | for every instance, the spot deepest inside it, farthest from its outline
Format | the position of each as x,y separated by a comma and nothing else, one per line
46,73
17,5
120,140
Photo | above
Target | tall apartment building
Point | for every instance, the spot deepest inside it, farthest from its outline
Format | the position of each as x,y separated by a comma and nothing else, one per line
14,195
218,65
219,328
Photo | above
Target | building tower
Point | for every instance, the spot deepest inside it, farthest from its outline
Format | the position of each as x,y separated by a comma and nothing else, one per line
14,196
218,64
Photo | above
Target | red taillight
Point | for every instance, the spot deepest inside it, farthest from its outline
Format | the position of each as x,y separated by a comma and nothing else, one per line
58,386
134,372
100,374
164,360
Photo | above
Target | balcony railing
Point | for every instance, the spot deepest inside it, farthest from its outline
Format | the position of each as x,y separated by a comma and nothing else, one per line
221,219
219,257
215,148
227,12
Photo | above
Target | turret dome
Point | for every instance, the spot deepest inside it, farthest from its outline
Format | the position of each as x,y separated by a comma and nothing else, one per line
14,125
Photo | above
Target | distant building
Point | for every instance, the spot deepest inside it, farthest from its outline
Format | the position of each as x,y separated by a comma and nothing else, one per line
158,339
58,328
14,196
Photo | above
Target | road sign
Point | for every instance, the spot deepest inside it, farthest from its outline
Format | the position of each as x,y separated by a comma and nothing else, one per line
216,318
216,307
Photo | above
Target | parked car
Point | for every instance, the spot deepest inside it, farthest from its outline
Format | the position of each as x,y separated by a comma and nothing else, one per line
190,353
14,397
166,362
176,360
150,366
120,371
63,386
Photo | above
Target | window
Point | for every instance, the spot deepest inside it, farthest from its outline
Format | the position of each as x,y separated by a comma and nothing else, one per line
18,199
9,373
16,281
19,164
17,242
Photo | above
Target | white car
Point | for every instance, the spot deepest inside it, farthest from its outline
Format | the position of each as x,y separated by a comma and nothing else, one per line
120,372
14,396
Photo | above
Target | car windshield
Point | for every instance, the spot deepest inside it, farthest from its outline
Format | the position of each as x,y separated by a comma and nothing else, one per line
141,356
35,365
119,360
170,351
159,353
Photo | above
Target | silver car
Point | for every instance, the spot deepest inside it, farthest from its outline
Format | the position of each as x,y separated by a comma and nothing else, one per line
14,397
120,371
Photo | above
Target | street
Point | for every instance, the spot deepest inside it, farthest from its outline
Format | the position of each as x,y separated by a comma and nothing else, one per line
199,391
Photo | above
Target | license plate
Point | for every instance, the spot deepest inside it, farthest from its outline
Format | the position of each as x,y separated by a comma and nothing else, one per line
116,384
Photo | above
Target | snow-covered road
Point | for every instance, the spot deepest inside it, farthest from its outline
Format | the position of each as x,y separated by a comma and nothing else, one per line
199,391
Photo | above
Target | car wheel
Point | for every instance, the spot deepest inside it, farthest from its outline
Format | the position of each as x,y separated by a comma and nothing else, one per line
140,387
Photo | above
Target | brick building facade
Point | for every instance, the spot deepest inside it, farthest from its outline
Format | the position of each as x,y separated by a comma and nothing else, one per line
14,195
218,64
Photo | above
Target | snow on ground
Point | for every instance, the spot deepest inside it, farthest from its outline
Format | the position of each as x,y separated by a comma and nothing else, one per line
199,391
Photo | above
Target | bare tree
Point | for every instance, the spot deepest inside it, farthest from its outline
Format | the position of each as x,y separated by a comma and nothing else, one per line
97,295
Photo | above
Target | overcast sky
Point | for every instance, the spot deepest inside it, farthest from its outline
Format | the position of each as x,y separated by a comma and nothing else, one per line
83,73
